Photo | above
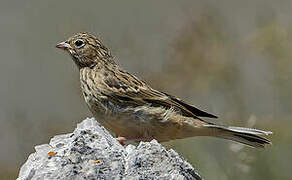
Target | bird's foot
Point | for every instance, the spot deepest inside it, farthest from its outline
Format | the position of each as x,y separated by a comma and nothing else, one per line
122,140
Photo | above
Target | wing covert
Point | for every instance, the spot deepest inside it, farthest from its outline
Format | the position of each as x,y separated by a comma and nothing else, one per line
126,87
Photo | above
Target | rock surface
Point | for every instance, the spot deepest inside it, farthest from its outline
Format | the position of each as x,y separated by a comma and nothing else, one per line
90,152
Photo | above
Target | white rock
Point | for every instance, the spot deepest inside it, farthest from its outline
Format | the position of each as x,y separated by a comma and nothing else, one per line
90,152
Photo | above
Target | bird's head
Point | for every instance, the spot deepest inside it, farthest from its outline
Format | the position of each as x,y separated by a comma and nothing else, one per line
85,49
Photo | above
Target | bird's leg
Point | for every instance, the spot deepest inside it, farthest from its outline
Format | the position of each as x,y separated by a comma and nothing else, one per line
122,140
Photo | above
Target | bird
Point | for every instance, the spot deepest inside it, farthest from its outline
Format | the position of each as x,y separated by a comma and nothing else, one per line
134,111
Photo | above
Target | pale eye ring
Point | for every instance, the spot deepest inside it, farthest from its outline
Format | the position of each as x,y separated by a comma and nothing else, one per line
79,43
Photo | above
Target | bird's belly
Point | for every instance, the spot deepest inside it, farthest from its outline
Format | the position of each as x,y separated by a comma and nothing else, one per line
125,126
138,122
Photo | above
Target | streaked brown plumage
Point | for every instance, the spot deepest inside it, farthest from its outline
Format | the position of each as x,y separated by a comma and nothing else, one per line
129,107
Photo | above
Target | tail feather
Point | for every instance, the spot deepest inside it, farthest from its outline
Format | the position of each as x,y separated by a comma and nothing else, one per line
247,136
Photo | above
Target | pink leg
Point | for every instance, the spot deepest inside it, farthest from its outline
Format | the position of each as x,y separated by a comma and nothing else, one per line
122,140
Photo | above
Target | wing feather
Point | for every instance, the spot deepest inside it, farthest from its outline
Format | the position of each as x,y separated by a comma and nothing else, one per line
126,87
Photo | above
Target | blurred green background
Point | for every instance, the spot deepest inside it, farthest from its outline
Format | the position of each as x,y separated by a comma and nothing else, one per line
231,58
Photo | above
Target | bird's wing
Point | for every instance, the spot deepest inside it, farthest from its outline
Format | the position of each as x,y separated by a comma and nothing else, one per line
127,88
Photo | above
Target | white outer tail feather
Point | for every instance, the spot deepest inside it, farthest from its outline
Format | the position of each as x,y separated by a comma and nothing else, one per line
248,136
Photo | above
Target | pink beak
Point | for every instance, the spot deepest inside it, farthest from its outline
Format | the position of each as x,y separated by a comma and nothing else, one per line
63,45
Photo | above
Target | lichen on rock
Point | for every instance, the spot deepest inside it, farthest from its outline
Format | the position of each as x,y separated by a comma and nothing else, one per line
90,152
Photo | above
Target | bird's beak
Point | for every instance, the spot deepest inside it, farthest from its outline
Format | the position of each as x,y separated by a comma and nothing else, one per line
63,45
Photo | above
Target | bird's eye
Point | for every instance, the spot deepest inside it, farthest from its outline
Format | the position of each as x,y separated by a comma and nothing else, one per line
79,43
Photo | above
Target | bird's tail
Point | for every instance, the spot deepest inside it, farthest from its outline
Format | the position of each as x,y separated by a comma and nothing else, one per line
247,136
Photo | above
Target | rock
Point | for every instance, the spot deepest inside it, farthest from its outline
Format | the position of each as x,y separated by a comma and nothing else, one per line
90,152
